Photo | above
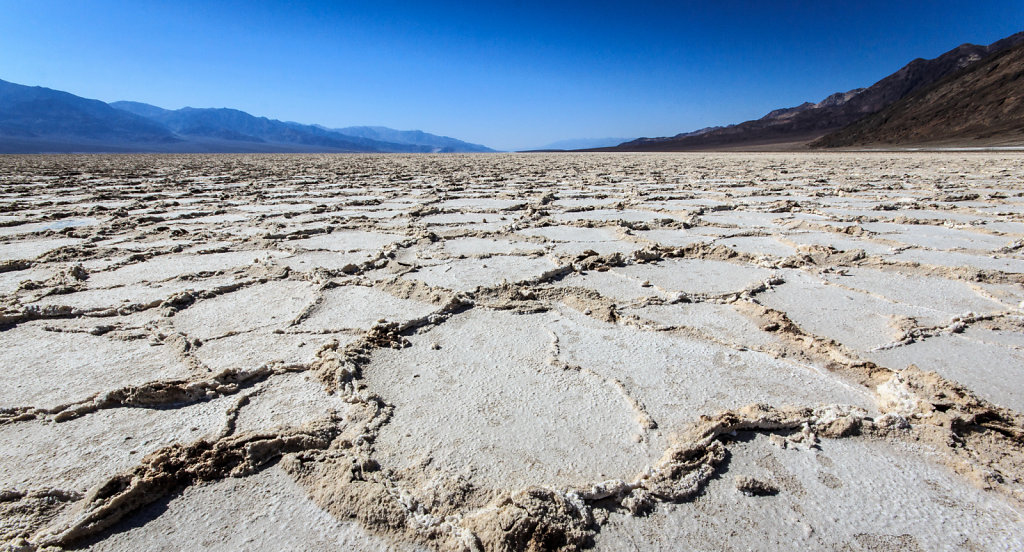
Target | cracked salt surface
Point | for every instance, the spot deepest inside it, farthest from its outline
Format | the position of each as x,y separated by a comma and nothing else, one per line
508,415
847,495
512,352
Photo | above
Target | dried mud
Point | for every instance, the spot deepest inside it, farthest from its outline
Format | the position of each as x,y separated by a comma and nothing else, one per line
510,352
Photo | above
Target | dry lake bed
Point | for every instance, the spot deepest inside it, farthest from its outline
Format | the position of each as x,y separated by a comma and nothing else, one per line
509,352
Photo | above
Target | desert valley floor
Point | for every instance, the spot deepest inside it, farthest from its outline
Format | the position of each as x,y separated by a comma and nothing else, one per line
506,352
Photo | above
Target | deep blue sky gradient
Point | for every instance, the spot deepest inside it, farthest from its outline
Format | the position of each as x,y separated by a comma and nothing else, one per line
508,75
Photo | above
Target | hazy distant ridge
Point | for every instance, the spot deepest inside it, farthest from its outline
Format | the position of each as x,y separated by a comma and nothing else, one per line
412,137
37,119
581,143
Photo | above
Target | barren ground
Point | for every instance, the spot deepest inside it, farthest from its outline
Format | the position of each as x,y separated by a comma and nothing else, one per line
505,352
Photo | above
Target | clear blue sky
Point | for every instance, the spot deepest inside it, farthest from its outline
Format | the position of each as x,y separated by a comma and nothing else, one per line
505,74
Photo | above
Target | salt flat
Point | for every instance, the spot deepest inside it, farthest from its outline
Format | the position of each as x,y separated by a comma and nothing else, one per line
512,352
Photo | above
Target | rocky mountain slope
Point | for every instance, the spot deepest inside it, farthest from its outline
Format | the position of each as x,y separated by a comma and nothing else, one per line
810,121
982,104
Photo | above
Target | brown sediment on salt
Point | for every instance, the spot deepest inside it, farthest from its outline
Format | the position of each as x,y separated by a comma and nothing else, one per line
178,466
23,513
981,440
453,515
152,395
338,367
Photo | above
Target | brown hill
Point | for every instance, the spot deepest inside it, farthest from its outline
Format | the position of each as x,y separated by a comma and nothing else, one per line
982,104
797,126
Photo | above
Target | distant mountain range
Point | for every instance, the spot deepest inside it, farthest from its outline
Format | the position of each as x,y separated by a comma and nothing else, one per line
413,138
970,95
796,127
579,143
35,120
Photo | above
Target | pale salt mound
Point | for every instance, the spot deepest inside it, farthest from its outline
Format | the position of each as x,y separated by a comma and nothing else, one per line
165,267
673,237
85,365
360,307
697,276
621,288
718,322
289,399
263,512
35,227
933,216
758,246
140,245
575,202
939,294
688,204
469,274
853,318
1011,228
81,453
481,203
463,388
851,494
492,224
213,219
270,305
956,259
140,295
10,281
1008,337
276,208
347,240
487,246
627,215
30,249
250,350
573,249
838,241
655,368
328,260
935,237
458,218
994,371
746,219
574,234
